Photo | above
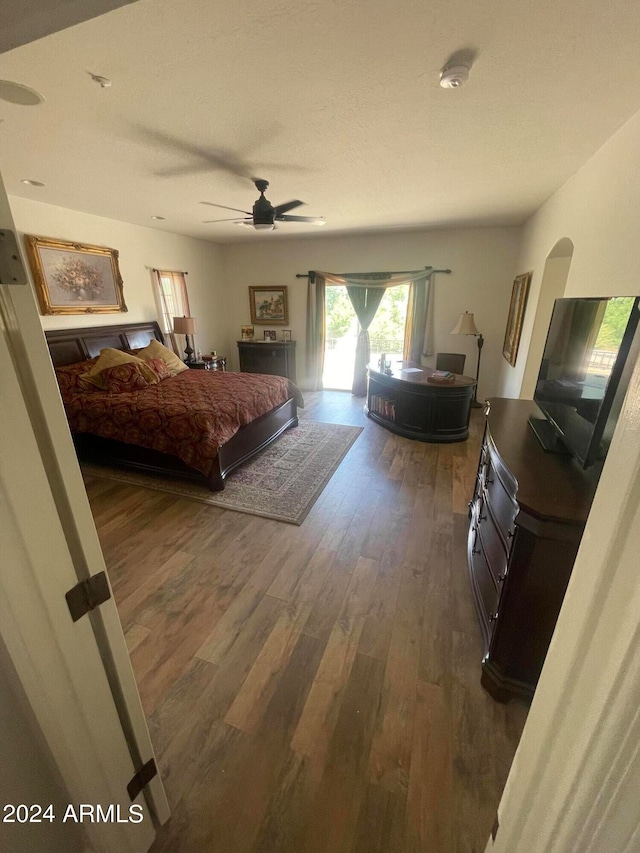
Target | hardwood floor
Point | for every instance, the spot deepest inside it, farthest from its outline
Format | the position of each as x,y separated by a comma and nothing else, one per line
316,689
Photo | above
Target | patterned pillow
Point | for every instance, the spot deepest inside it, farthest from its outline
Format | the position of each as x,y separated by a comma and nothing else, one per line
70,377
110,357
124,377
156,350
160,368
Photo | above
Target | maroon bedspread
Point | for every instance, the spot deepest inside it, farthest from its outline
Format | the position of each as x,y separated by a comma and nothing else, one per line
190,415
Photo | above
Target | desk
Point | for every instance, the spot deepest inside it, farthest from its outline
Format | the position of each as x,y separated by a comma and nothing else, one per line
408,404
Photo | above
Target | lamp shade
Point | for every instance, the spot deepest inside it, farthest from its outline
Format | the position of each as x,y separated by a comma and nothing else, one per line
184,325
465,325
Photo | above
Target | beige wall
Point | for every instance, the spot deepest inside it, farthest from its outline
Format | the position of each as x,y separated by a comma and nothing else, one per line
597,209
141,249
482,261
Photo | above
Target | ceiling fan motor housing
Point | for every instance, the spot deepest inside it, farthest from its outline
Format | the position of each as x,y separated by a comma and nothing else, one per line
263,211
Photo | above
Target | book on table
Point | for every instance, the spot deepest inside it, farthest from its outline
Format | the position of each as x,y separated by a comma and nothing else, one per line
444,377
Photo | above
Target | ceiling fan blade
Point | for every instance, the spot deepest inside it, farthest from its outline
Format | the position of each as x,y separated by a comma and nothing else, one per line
233,219
289,205
312,220
224,207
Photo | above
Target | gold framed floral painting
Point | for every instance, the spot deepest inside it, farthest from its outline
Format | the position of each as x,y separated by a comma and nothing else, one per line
75,278
519,295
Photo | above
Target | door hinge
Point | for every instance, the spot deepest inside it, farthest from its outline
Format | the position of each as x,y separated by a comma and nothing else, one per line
142,778
12,270
87,595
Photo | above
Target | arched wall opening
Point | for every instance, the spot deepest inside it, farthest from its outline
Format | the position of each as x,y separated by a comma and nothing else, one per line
552,287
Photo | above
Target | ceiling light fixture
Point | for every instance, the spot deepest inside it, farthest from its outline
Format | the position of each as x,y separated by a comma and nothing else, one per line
454,76
31,183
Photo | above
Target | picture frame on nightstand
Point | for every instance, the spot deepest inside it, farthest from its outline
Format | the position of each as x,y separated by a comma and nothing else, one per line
246,333
286,334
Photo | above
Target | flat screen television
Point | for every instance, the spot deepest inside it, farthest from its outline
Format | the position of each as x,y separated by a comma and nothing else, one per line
591,348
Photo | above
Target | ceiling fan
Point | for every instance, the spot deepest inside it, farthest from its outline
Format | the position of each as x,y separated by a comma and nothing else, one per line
264,214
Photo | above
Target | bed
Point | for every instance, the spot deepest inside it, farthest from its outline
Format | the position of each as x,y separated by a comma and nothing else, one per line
72,346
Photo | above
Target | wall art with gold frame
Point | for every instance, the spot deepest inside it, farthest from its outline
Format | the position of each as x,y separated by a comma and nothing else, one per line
269,305
75,278
519,294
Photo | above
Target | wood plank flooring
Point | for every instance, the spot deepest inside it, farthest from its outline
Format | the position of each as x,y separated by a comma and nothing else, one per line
316,689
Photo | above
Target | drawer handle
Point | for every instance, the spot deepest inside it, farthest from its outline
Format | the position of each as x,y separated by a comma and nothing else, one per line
487,408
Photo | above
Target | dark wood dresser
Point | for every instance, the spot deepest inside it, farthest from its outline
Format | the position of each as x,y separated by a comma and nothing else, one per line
274,357
528,513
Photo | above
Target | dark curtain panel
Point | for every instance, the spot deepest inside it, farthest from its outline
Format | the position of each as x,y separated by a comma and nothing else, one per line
315,330
415,329
365,301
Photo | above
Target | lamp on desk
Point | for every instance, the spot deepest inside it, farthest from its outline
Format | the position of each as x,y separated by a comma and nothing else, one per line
185,326
467,326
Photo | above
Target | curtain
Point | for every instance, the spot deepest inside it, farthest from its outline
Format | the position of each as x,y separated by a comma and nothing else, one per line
372,283
365,301
418,330
172,300
315,330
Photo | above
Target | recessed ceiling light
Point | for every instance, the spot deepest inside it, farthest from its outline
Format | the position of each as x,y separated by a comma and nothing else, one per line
31,183
158,217
16,93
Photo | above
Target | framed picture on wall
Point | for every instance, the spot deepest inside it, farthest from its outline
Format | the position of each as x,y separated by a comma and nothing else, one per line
519,294
269,305
75,278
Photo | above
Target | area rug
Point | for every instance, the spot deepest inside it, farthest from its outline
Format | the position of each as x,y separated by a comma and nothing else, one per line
281,482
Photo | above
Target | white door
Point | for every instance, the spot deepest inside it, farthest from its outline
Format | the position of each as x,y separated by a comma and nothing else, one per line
76,676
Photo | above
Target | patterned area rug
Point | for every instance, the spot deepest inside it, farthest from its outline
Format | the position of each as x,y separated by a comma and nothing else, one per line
282,482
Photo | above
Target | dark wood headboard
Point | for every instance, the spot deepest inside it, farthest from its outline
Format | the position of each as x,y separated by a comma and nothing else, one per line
70,345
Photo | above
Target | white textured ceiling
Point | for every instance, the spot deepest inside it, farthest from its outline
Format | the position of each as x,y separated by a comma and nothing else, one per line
335,102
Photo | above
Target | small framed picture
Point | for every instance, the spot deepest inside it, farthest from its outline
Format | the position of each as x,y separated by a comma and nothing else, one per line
270,335
269,306
286,334
246,333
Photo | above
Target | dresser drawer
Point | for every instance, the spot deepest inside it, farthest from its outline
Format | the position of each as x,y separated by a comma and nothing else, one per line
493,547
486,588
501,504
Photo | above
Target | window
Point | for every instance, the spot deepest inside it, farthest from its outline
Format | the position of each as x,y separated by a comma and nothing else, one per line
172,300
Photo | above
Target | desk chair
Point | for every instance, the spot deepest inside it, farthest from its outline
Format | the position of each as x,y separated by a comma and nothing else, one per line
452,361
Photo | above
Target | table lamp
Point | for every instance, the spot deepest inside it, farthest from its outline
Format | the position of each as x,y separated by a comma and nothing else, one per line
185,326
467,326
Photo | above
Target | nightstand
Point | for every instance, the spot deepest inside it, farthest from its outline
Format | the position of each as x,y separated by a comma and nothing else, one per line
216,362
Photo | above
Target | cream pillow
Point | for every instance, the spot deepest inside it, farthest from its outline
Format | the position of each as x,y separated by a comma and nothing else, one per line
156,350
111,358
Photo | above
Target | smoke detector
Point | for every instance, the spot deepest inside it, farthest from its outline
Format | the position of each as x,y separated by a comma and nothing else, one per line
454,76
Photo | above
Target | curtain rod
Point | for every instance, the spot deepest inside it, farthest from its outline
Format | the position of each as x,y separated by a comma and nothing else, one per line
428,270
182,272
